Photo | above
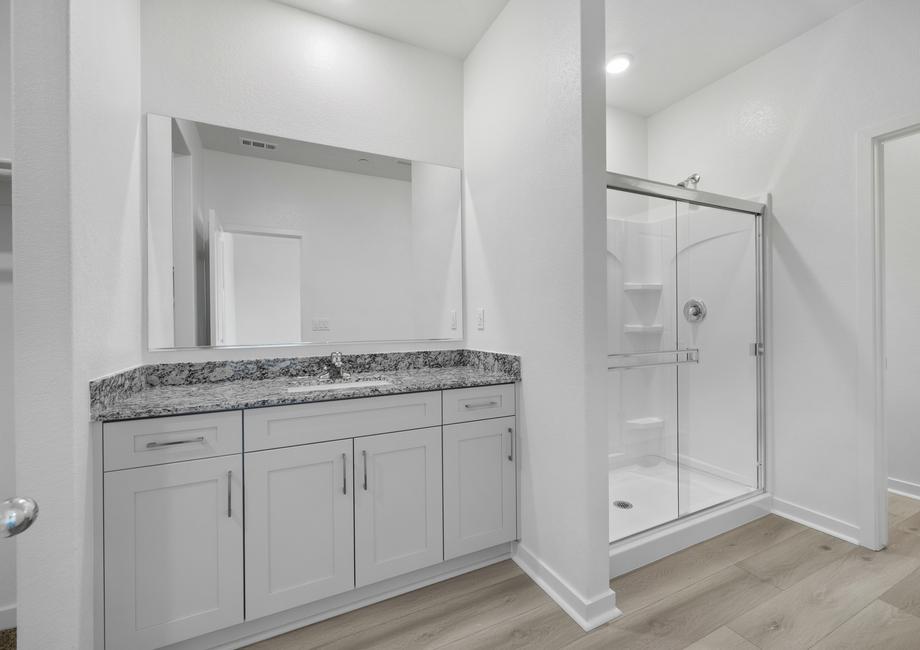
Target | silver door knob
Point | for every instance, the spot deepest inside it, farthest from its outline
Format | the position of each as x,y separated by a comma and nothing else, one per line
16,515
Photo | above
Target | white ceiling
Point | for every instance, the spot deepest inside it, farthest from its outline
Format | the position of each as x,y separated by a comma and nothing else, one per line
449,26
681,46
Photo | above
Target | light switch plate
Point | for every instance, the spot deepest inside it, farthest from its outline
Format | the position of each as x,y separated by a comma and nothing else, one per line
481,318
453,319
320,324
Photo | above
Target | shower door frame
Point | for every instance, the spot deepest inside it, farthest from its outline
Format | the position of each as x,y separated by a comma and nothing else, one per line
655,189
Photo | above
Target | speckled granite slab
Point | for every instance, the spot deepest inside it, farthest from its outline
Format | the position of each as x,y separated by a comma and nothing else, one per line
180,388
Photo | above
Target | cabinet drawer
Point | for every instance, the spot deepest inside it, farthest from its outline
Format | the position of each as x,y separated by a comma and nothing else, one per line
285,426
468,404
139,443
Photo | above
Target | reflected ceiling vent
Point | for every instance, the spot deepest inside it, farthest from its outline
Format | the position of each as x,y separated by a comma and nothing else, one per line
257,144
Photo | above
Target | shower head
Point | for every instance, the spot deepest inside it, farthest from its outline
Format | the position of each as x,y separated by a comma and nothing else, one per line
690,182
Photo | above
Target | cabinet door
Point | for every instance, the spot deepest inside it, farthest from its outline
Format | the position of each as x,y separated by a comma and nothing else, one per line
173,551
299,526
479,486
397,504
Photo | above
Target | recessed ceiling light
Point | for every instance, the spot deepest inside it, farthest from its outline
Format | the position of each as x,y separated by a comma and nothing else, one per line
619,64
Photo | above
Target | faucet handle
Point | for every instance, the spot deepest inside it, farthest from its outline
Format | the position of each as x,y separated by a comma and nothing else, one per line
336,359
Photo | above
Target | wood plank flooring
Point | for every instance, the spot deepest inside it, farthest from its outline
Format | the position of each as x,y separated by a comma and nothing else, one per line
769,584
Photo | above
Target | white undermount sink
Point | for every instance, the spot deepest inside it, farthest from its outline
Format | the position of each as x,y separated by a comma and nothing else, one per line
371,383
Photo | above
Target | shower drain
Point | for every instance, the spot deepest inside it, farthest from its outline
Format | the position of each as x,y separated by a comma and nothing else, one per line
623,505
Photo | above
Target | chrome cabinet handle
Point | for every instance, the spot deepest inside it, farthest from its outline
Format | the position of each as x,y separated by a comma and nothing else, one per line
511,443
364,456
344,475
481,405
154,445
229,494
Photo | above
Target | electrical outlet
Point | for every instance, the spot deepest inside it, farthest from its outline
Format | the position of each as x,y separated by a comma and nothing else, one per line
453,319
481,318
320,324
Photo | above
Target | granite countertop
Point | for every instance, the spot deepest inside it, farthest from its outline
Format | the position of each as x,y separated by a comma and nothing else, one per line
176,389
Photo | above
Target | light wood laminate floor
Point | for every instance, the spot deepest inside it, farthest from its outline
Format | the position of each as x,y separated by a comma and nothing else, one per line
769,584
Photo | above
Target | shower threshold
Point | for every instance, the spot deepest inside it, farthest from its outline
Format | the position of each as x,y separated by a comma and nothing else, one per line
639,549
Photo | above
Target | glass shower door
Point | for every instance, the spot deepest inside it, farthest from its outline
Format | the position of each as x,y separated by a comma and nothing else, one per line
717,308
683,307
642,354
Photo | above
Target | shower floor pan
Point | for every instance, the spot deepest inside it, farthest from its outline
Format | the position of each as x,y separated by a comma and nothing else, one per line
652,493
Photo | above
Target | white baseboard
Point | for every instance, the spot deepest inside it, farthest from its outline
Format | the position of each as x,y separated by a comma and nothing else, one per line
259,629
904,488
640,550
7,617
818,520
589,613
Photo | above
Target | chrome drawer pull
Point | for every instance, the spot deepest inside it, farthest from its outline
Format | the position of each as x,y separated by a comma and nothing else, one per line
364,456
344,475
481,405
229,488
511,443
154,445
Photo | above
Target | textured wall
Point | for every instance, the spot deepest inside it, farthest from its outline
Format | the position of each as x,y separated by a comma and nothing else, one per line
274,69
534,155
77,269
787,123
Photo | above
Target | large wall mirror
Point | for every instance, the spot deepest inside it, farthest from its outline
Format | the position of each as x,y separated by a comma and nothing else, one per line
260,240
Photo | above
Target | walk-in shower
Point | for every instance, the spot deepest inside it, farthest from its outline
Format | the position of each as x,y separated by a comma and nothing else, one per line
685,352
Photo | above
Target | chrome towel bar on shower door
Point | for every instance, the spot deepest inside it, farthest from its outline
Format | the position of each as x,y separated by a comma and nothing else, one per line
630,360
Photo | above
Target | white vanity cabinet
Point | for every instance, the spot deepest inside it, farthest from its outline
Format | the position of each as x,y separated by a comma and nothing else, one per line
397,504
318,506
479,485
173,551
299,525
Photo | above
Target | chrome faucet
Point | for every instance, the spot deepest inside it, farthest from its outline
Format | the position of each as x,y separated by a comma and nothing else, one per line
334,370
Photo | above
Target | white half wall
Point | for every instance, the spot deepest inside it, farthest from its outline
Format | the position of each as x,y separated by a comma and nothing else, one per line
274,69
901,201
77,267
787,123
7,440
7,437
535,239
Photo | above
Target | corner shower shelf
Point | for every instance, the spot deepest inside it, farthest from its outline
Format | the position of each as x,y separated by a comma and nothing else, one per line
642,286
643,329
645,423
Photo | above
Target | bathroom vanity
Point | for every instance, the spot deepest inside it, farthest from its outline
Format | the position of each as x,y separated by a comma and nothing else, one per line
290,505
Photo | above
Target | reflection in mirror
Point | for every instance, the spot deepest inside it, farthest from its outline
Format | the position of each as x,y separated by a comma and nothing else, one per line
260,240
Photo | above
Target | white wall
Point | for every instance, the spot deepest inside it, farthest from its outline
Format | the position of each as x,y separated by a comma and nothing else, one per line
901,170
77,267
7,441
7,438
534,152
270,68
787,124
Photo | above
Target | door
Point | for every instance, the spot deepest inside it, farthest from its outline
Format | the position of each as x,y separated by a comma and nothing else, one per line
479,486
398,525
173,551
299,526
717,298
684,352
643,357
